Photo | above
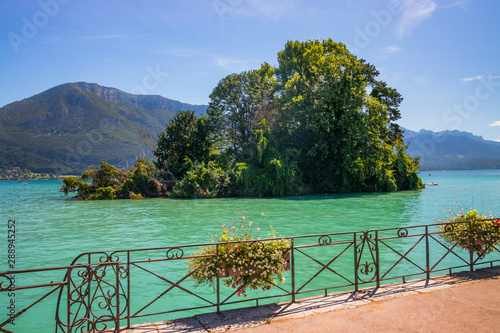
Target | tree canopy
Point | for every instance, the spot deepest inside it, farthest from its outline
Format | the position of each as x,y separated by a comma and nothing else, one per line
318,122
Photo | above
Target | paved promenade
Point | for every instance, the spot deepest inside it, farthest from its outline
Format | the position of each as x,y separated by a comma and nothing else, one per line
462,302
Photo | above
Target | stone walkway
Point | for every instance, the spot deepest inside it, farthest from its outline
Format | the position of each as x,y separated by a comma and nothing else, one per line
462,302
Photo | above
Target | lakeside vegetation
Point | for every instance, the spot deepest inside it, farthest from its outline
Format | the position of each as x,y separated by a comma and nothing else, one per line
319,122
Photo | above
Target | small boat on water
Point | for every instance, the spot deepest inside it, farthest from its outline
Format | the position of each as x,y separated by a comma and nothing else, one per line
431,184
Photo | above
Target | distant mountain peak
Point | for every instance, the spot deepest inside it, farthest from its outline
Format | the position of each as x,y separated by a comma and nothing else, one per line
452,149
71,126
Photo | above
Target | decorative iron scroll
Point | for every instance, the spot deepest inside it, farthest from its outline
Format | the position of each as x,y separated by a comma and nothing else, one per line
403,232
175,253
96,297
366,248
10,282
325,240
449,227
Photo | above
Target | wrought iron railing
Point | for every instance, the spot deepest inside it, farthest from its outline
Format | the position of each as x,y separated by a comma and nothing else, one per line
112,289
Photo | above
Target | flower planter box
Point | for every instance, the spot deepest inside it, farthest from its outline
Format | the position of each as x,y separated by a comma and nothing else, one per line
477,242
228,271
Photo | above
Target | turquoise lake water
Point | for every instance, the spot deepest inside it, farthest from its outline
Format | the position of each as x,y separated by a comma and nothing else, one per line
52,229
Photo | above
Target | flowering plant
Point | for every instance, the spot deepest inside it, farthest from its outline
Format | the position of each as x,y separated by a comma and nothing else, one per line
484,232
243,260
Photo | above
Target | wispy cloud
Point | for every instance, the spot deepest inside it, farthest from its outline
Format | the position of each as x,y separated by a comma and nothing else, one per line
183,52
459,3
230,64
414,12
109,36
393,49
478,77
273,9
495,124
234,65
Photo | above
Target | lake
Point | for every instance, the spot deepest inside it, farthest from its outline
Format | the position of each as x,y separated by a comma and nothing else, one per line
52,229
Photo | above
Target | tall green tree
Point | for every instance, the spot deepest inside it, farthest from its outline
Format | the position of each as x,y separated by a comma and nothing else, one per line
186,139
338,115
237,104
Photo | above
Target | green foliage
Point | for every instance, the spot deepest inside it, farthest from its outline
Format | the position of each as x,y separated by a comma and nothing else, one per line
184,140
238,103
203,180
268,174
102,193
110,182
479,234
344,134
406,169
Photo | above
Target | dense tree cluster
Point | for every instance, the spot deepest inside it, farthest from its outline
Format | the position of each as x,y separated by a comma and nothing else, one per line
143,180
319,122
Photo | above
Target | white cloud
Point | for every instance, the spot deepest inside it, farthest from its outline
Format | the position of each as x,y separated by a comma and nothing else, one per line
393,49
496,123
459,3
473,78
414,13
273,9
478,77
234,65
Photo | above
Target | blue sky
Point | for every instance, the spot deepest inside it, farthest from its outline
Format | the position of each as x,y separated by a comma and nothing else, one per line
441,55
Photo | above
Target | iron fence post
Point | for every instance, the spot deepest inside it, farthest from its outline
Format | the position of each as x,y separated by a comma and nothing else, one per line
292,254
117,291
377,256
68,298
355,264
218,284
128,289
89,298
471,248
427,253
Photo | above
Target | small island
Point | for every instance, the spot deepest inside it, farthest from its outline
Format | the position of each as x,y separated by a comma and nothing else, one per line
319,122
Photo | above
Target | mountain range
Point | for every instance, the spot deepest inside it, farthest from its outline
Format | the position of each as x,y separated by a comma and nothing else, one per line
73,126
452,150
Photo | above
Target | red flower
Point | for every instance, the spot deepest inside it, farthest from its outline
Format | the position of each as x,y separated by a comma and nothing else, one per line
238,249
462,216
497,222
268,287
